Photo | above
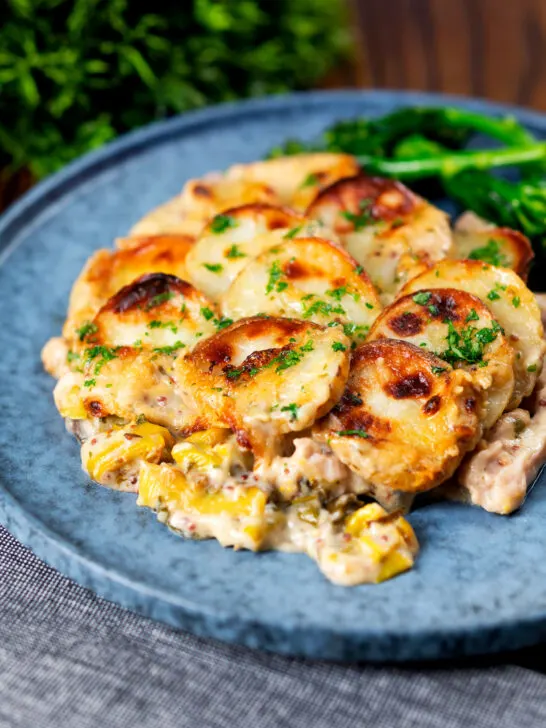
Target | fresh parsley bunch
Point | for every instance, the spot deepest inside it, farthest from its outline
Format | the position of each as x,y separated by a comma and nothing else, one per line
74,73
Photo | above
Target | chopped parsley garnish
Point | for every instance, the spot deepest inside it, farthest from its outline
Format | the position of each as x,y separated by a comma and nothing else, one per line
338,346
363,218
397,222
89,382
493,296
356,433
140,420
421,299
293,409
532,368
292,232
104,355
307,346
338,293
169,349
468,344
433,310
438,370
159,299
222,323
163,325
221,223
359,270
369,305
472,316
310,181
354,329
489,253
234,252
138,344
321,307
88,328
214,267
207,313
275,274
72,357
516,302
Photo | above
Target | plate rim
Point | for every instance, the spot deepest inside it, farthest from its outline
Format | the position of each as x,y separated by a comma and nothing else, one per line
62,554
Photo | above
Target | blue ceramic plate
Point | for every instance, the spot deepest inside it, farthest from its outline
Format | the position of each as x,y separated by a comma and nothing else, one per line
480,582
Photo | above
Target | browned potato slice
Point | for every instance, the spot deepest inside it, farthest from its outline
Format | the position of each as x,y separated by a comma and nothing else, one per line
306,278
108,271
387,228
157,311
231,239
459,329
298,178
264,377
511,303
499,246
200,200
401,423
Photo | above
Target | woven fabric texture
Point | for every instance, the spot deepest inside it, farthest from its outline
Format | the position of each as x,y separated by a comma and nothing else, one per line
71,660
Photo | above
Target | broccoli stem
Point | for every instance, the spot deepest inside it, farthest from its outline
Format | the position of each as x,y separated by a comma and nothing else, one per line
445,165
507,130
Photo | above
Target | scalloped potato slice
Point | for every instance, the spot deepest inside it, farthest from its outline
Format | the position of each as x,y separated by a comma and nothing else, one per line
511,303
200,200
231,239
157,311
458,328
265,377
499,246
387,228
108,271
400,423
309,279
298,178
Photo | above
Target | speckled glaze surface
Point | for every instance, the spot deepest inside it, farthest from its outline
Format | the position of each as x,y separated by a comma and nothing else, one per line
480,582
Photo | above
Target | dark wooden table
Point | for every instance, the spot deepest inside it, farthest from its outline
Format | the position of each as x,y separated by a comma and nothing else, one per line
490,48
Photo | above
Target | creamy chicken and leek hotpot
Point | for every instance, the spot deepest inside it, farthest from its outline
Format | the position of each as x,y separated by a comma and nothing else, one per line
286,354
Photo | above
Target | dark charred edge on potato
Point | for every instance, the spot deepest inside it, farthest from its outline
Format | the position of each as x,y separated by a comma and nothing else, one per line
412,386
406,324
141,292
348,192
525,252
95,408
202,190
432,405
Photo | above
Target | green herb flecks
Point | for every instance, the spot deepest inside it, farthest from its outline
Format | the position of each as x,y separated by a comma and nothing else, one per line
338,346
214,267
221,223
159,299
275,274
468,344
163,325
363,218
234,252
169,349
489,253
353,433
422,298
104,354
293,409
86,330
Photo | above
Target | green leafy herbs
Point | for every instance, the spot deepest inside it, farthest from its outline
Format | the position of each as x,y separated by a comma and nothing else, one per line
207,313
516,302
422,298
159,299
221,223
214,267
292,232
338,346
285,359
72,357
357,330
234,252
363,217
275,283
155,324
222,323
493,295
90,383
62,60
86,330
489,253
438,370
100,355
310,181
169,349
353,433
532,368
472,316
321,307
468,344
293,409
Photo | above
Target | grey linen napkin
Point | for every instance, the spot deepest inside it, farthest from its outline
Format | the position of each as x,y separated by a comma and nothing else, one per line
71,660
